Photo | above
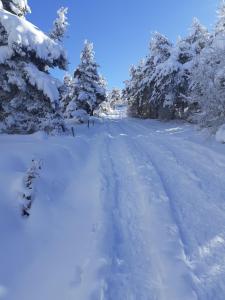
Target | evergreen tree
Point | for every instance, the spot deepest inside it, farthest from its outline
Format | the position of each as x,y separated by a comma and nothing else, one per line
114,97
208,79
220,24
17,7
28,93
161,79
173,77
145,95
89,89
132,93
160,86
60,25
66,93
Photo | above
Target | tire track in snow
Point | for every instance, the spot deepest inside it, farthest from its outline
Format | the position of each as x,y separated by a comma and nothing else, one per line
138,212
123,278
143,151
202,197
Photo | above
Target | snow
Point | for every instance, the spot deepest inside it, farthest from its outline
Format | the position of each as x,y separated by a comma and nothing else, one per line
23,34
20,5
5,53
44,82
220,134
128,209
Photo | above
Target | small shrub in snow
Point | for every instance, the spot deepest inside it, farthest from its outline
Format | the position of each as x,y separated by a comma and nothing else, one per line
29,187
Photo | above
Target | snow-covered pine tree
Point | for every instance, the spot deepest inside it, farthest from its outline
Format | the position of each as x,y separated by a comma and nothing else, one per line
161,82
66,94
17,7
146,89
208,79
220,24
28,93
132,93
60,25
159,87
172,77
149,109
114,97
188,50
89,90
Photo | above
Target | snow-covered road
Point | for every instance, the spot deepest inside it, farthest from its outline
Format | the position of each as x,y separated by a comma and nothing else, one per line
128,210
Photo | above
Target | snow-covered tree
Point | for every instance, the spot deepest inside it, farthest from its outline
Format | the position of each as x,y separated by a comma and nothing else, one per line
160,48
173,76
114,97
162,77
208,79
108,106
17,7
66,92
28,93
143,91
60,25
160,86
89,88
220,24
133,91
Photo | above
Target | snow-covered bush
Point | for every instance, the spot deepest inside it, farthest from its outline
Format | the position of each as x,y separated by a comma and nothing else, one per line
28,93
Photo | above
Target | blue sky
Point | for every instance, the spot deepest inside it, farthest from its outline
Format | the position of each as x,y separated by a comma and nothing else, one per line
120,29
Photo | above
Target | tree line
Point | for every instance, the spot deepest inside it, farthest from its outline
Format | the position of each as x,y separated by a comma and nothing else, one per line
185,80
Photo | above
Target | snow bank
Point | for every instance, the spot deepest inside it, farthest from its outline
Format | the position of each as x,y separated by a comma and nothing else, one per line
63,227
24,35
220,135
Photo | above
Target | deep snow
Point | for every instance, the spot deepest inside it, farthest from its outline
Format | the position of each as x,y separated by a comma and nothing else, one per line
126,210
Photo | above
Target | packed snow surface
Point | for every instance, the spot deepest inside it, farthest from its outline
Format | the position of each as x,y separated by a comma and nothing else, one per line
126,210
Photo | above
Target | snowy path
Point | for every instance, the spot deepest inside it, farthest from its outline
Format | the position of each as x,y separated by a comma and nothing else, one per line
148,260
128,210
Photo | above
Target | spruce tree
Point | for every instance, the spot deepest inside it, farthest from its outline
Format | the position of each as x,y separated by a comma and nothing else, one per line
133,91
89,90
28,93
208,80
114,97
60,25
17,7
66,93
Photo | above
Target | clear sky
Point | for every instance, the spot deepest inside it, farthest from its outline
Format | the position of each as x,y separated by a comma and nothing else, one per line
120,29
